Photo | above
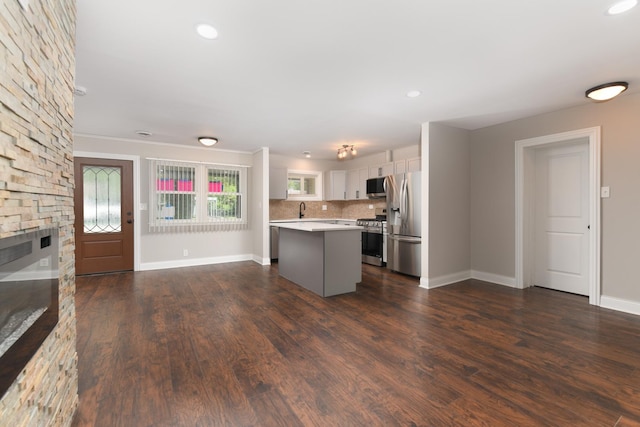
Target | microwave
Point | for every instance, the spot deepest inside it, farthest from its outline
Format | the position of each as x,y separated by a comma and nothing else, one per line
376,188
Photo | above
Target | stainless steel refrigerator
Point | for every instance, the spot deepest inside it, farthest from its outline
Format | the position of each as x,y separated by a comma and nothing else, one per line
403,223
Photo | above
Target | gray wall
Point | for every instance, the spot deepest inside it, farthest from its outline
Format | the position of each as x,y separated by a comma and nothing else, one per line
493,189
449,203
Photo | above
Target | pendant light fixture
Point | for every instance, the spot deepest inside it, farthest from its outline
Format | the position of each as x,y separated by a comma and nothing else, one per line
606,91
208,141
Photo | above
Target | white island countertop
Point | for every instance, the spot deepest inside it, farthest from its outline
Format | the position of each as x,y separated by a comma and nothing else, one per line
327,220
314,226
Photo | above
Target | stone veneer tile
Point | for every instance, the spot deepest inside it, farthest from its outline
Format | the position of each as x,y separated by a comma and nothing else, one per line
37,66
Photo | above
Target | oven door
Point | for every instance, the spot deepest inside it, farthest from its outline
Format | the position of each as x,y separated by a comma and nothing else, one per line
372,248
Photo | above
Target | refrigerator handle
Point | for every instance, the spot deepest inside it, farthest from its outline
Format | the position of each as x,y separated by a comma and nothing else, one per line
405,239
403,200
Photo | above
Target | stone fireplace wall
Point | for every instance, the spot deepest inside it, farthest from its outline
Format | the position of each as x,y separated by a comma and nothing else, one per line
37,69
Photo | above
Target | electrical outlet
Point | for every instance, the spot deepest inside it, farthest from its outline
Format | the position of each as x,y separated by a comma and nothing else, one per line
605,192
370,206
324,207
44,262
185,252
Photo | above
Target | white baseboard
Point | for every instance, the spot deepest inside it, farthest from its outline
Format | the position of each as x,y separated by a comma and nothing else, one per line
261,261
192,262
424,282
632,307
447,279
494,278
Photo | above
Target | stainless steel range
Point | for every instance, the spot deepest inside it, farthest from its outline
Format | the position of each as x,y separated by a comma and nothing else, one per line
374,239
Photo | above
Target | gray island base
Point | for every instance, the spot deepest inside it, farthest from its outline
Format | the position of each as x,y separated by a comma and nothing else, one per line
323,258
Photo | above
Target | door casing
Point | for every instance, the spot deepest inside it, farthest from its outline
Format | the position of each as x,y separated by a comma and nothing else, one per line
524,158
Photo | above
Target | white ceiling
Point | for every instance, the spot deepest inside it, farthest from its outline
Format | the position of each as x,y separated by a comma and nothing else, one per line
298,75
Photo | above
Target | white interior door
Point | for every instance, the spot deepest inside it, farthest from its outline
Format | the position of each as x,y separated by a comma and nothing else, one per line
562,218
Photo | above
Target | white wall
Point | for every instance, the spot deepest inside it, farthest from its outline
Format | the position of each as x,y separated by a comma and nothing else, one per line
493,192
259,195
165,250
360,161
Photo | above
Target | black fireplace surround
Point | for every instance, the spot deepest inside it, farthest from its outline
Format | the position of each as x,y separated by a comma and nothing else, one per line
28,298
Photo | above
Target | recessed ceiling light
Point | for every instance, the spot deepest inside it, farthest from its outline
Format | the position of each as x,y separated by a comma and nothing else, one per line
413,93
606,91
207,31
208,140
144,133
622,7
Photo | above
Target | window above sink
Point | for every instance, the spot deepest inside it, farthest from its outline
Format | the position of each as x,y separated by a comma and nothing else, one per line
304,185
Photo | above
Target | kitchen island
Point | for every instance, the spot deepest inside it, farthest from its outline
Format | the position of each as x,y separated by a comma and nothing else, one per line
323,258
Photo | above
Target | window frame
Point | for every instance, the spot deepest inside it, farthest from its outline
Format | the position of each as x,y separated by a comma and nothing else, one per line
200,195
302,174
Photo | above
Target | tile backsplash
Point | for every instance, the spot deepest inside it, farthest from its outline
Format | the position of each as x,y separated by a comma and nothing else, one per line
348,209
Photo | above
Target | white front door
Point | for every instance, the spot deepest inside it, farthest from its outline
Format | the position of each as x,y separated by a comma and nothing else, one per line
562,218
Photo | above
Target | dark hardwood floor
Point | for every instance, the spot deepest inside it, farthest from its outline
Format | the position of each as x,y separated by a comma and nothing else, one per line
237,345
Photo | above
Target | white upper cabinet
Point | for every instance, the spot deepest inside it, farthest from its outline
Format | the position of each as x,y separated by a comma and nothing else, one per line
357,184
414,165
278,183
408,165
336,185
381,170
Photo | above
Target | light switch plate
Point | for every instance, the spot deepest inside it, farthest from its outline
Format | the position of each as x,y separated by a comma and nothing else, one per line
143,206
604,192
324,207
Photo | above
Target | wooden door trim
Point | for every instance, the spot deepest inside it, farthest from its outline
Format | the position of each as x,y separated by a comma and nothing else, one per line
136,196
524,148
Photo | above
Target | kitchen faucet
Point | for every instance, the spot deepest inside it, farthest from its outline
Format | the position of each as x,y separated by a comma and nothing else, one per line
302,205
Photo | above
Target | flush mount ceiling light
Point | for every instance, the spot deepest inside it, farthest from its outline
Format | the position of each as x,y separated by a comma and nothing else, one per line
606,91
413,93
207,31
307,154
622,7
208,141
345,150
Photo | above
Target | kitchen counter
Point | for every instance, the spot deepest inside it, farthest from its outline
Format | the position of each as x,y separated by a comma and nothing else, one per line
323,258
326,220
314,226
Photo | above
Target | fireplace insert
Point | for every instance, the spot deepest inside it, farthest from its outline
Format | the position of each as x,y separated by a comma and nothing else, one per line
28,298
